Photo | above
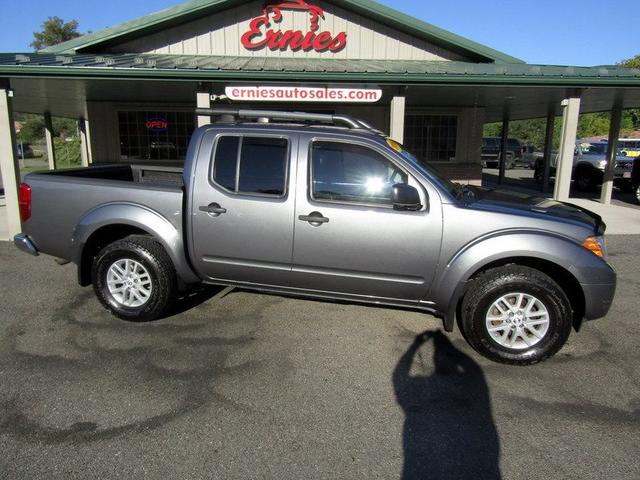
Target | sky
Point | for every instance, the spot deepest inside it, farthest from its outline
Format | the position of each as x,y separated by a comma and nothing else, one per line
551,32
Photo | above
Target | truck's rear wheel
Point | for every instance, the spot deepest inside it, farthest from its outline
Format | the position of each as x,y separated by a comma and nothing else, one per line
516,315
134,278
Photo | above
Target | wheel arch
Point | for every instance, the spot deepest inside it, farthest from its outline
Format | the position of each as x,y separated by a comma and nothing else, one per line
112,222
563,277
553,255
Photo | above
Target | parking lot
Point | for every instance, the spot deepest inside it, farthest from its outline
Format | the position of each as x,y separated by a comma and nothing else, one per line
521,179
256,386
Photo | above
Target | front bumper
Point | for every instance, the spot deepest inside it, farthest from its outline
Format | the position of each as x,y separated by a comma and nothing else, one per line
24,243
598,299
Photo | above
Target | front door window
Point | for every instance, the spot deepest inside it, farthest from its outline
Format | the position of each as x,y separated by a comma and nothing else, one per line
351,173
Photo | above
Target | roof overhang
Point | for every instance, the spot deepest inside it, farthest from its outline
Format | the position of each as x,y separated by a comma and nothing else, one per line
397,72
62,84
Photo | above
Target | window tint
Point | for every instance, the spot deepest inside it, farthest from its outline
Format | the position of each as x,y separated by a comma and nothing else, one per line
225,165
262,169
263,165
352,173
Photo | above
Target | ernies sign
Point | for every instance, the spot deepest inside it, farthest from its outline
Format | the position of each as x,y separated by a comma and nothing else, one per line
261,33
279,93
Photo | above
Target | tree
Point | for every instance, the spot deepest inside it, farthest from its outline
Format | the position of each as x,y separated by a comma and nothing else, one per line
54,31
634,115
631,62
32,130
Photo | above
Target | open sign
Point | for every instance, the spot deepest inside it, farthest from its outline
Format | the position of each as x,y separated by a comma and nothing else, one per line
157,125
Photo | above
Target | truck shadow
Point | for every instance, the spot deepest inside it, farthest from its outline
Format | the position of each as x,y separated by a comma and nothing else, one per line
449,430
192,299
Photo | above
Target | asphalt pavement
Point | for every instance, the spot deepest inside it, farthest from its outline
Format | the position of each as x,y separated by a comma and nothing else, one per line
247,385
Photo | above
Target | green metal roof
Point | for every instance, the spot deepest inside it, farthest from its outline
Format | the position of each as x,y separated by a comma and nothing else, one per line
261,69
195,8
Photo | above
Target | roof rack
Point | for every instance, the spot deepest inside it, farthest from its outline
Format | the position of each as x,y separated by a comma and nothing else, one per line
342,120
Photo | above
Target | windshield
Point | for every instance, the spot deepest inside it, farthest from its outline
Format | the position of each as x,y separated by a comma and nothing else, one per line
598,149
594,148
428,170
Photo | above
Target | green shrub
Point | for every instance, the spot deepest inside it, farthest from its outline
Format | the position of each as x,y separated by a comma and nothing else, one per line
67,153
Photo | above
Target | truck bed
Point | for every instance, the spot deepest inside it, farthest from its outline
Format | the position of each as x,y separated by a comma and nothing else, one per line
62,198
148,174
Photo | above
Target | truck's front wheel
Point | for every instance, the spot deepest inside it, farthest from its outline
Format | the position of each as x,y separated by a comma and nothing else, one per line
516,315
134,278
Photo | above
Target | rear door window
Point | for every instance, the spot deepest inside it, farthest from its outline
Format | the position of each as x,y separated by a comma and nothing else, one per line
251,165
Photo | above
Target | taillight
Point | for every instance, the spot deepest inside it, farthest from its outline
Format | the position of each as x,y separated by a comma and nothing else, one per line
24,201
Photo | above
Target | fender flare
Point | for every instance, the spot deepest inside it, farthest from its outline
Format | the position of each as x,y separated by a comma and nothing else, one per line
563,252
138,216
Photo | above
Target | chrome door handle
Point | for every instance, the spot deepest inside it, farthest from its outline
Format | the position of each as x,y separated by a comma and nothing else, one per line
213,209
314,218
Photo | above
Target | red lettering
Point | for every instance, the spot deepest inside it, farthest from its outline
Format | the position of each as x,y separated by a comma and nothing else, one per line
293,39
322,42
254,31
339,42
256,38
307,43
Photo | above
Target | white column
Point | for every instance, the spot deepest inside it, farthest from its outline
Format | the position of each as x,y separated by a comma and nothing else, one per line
396,130
84,142
9,162
48,136
614,134
203,100
570,117
87,140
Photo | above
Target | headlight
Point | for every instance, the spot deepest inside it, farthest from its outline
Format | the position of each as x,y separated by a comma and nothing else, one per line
603,164
595,245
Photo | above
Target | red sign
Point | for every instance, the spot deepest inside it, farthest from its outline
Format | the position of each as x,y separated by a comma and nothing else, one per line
157,124
260,35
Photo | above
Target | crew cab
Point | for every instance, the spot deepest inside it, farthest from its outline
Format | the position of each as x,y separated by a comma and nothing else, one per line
324,206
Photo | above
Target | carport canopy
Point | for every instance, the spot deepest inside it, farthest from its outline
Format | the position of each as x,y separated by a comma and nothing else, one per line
62,84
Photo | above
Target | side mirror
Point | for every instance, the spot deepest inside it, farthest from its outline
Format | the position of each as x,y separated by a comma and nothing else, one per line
406,198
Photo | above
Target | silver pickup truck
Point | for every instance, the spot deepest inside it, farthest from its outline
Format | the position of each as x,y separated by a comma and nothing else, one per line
325,206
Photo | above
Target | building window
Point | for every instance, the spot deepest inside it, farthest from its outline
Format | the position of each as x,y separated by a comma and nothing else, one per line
431,138
155,135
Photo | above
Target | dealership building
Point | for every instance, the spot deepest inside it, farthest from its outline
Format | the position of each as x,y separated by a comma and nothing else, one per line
134,87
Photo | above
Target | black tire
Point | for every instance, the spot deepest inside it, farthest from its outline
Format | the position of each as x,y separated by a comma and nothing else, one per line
585,179
538,176
626,187
150,254
495,283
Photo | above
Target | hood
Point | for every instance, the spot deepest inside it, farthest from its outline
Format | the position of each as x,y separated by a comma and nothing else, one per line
504,201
